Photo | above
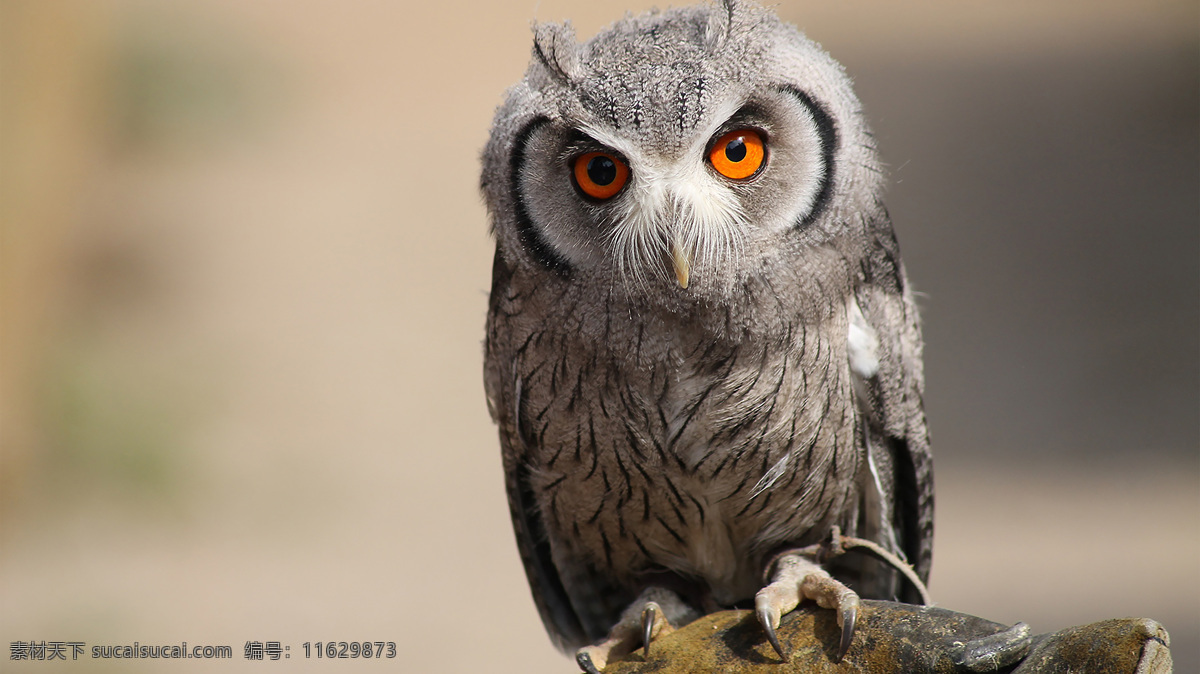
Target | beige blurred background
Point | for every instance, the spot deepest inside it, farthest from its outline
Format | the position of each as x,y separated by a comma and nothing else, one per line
244,274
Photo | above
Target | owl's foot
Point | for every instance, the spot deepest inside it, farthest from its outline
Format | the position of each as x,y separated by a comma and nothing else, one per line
794,578
656,613
624,638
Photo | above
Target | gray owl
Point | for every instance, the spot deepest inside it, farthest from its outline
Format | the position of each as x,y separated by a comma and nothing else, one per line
702,352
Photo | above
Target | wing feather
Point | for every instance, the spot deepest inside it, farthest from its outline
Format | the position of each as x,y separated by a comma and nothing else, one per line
893,397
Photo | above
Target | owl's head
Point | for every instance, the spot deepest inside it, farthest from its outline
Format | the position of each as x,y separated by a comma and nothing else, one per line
677,154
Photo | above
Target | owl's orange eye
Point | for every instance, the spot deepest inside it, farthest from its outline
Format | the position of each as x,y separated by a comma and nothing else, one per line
738,154
599,174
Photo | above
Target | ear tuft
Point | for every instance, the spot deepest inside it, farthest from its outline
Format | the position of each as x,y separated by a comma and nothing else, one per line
720,19
555,47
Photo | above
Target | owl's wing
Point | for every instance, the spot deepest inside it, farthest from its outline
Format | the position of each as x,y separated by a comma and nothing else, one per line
891,391
504,399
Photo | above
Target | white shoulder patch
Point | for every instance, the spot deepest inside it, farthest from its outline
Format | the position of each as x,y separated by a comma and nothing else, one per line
862,346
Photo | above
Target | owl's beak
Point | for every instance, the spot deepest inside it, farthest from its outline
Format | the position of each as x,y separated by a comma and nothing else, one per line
683,264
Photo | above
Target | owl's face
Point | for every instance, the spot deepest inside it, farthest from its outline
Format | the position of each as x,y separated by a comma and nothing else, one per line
675,154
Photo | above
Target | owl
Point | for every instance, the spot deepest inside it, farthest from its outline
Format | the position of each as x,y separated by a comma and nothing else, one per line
702,353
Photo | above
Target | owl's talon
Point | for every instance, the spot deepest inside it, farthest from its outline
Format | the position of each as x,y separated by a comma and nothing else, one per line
593,659
769,620
847,616
650,616
656,624
584,659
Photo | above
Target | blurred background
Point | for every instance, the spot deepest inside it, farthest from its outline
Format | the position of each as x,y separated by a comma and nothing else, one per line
243,281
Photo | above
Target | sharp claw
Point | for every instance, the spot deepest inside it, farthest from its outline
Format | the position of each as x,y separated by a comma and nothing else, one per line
765,618
585,663
648,618
849,616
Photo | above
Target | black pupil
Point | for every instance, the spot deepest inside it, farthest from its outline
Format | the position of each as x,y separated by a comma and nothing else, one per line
735,151
602,170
